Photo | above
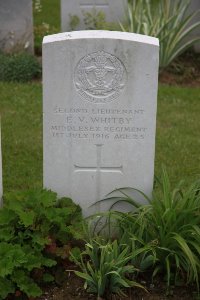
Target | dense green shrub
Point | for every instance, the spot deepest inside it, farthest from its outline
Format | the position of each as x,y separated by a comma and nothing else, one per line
165,19
170,225
34,227
106,267
96,20
93,20
19,67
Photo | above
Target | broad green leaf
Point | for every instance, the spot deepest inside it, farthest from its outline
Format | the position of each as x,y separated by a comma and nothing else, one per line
26,284
6,233
47,262
47,277
84,276
6,287
11,256
27,218
7,216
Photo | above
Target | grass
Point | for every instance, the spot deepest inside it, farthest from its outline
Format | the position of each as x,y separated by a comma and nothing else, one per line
49,13
21,112
46,17
177,138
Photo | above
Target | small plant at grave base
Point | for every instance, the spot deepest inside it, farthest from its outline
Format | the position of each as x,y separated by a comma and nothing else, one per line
166,20
74,22
21,67
170,223
33,226
106,267
96,19
40,31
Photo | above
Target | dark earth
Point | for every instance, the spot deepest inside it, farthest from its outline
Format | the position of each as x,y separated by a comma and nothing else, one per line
184,71
73,289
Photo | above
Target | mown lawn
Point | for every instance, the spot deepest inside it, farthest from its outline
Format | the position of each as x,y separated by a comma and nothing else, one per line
177,139
46,16
21,112
178,133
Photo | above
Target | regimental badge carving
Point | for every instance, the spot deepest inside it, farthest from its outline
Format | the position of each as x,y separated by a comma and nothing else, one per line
100,77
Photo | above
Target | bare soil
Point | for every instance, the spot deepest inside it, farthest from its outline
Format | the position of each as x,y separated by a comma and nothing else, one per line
184,71
73,289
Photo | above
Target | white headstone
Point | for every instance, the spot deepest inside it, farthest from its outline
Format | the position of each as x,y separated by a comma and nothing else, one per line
100,98
113,10
1,176
16,25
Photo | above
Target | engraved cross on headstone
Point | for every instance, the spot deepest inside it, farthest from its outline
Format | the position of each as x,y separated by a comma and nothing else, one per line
98,169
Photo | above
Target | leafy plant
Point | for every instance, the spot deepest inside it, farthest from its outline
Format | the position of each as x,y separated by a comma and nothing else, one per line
46,17
93,20
34,225
40,31
19,67
74,22
106,267
170,223
166,20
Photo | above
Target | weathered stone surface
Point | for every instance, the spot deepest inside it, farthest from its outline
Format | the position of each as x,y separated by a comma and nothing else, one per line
100,96
113,10
16,25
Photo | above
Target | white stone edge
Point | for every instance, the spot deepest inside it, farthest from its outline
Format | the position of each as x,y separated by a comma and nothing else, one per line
101,34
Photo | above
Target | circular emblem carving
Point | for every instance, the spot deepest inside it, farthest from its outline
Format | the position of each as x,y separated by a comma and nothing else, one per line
100,77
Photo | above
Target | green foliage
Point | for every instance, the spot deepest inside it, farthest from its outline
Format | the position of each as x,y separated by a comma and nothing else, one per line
170,224
143,254
33,226
94,20
166,20
46,15
19,67
74,22
106,267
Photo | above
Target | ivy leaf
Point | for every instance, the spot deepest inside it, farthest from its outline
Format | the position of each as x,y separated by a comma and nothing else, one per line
6,287
11,256
65,202
7,216
6,234
33,261
38,239
48,277
27,218
47,198
47,262
26,284
13,201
